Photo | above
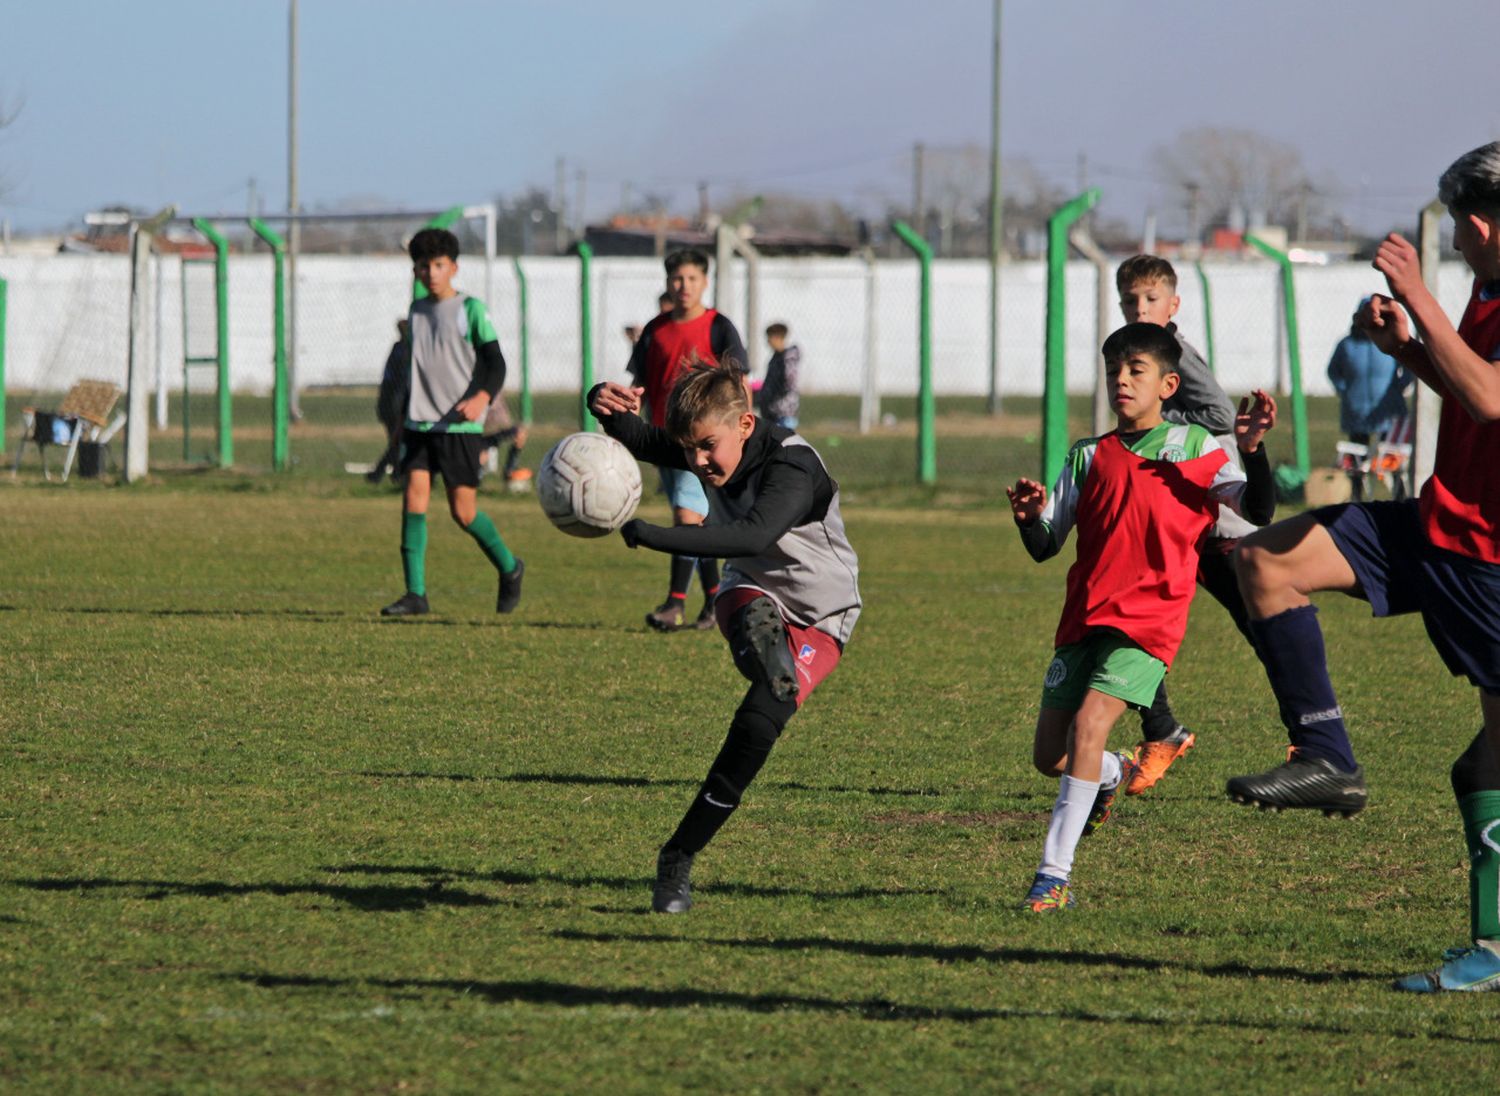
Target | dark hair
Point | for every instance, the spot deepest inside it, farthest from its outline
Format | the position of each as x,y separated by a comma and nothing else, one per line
431,243
706,390
776,330
1156,342
1472,182
665,298
686,256
1144,268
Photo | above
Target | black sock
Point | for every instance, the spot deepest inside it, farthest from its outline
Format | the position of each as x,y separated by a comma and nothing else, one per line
756,726
682,575
1290,645
708,574
1157,721
512,459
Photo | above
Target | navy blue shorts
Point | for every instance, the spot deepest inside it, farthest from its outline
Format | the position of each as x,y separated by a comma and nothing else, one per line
1401,571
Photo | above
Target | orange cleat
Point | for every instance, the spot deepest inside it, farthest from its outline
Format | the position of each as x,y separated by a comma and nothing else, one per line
1153,759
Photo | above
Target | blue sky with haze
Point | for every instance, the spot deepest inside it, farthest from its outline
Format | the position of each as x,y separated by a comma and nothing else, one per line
455,100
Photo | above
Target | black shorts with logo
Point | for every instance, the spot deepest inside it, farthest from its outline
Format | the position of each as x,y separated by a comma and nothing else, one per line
455,457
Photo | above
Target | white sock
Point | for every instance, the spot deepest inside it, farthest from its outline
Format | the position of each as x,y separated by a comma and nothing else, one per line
1109,770
1075,798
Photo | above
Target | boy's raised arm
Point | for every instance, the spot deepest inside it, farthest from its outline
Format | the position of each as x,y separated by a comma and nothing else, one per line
617,409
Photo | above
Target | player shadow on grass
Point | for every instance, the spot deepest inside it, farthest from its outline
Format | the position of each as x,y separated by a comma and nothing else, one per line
218,613
595,779
380,898
574,995
974,953
437,874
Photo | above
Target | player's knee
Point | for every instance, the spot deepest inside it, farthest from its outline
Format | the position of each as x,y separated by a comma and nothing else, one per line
1049,763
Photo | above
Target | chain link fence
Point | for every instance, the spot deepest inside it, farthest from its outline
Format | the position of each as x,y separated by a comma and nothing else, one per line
854,320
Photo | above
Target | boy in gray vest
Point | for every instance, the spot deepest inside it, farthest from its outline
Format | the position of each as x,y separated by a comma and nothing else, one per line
456,371
790,594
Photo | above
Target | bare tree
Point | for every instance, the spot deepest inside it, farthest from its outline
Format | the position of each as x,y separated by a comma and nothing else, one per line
1239,169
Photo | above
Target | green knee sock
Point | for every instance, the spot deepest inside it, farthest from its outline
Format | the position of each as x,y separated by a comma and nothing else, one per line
483,530
414,552
1481,811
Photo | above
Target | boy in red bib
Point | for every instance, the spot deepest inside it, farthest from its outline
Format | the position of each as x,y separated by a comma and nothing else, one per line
1142,497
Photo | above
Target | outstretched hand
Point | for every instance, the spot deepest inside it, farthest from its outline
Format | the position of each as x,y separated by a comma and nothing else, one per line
1027,500
630,532
611,397
1256,417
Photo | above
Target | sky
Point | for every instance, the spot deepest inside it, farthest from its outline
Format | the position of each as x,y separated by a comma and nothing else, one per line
446,102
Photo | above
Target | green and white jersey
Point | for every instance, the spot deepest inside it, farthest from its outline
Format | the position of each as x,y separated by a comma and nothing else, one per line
1171,442
445,341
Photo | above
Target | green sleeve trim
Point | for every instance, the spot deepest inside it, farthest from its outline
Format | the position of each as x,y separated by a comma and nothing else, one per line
445,427
481,330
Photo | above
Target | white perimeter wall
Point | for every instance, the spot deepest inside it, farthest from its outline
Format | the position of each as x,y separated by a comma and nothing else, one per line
68,319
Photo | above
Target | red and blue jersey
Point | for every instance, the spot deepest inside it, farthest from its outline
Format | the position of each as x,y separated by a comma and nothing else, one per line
1460,504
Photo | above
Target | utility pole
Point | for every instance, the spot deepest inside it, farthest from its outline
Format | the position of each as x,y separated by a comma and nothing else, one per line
703,205
580,204
560,206
918,204
1303,193
294,227
996,206
1195,214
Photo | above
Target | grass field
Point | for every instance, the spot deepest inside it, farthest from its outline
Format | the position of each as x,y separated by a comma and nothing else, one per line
254,838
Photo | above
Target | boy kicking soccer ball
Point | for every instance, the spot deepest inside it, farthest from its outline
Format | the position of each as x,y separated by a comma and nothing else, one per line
790,592
1439,556
1142,498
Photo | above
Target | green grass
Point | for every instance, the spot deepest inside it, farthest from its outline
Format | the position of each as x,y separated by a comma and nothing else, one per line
254,838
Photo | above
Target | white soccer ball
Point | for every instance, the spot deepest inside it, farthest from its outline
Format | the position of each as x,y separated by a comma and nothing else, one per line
588,485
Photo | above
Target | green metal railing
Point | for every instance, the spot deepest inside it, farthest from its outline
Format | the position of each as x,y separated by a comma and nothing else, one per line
280,407
1055,440
585,334
1303,460
926,405
1208,314
225,422
525,337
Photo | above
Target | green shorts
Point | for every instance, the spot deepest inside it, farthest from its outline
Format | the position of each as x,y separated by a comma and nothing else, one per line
1106,662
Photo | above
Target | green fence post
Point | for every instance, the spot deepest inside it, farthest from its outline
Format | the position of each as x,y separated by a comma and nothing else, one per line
221,308
926,405
585,333
446,219
1208,314
3,286
280,410
1303,461
525,321
1055,388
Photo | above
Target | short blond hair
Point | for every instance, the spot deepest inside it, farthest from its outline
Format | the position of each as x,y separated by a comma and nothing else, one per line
707,390
1145,268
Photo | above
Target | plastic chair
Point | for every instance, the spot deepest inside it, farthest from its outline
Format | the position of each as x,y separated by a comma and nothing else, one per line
83,416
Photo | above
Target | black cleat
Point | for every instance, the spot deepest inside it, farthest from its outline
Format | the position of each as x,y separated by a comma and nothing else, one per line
510,589
706,619
673,892
408,604
762,631
1311,783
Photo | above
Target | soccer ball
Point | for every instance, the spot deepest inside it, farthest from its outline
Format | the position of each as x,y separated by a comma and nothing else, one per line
588,485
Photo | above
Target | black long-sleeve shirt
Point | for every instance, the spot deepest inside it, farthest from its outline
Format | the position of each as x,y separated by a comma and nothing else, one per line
776,523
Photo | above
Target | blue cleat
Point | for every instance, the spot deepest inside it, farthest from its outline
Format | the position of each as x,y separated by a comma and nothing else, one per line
1472,970
1048,894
